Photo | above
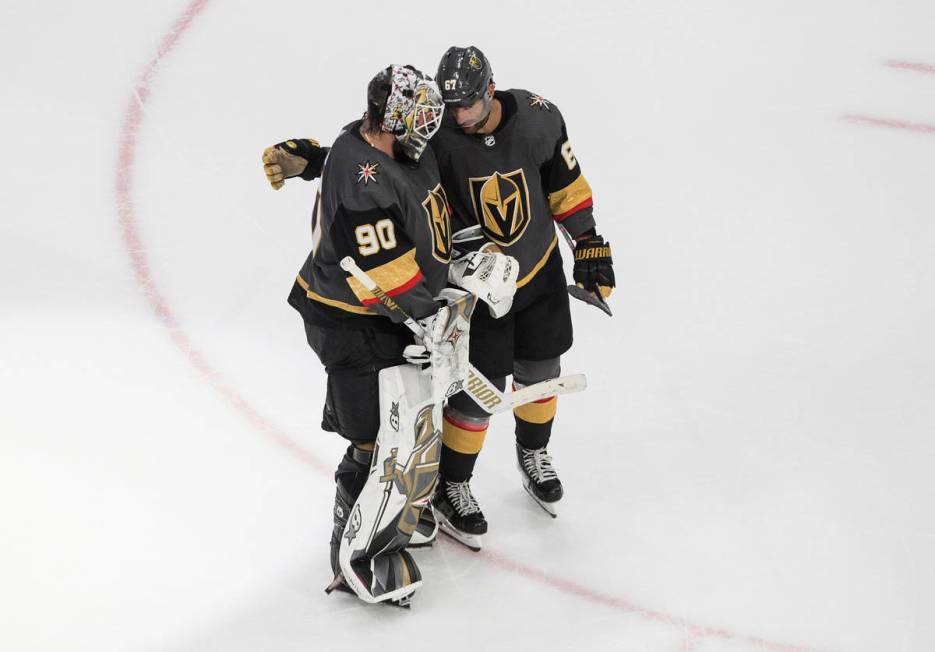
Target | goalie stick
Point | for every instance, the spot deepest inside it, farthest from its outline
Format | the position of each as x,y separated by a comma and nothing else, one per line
478,386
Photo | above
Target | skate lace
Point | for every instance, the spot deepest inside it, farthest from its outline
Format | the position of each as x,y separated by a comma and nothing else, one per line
461,498
538,464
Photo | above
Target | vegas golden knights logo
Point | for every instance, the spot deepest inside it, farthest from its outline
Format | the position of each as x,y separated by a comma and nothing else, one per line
436,208
501,205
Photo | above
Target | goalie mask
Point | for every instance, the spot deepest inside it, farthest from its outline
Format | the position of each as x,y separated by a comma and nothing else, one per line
410,105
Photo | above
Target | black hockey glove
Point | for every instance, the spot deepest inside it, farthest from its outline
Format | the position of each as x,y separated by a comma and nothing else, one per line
301,157
594,266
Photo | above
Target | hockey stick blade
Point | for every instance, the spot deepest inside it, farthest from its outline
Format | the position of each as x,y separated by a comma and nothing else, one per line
590,298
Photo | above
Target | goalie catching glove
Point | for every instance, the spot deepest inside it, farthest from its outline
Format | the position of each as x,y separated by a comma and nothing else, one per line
489,275
301,157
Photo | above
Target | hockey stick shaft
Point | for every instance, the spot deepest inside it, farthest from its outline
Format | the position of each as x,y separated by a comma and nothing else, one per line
546,389
479,388
567,236
350,266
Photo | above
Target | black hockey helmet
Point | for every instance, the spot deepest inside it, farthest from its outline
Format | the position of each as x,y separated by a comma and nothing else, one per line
463,75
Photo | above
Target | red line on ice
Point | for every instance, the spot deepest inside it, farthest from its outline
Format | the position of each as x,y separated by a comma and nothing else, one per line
911,65
917,127
693,631
123,190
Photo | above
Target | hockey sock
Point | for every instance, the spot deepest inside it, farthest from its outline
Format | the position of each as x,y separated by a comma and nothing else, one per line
462,438
534,422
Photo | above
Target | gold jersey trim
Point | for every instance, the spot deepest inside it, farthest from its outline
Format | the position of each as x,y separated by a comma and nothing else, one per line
389,276
576,192
334,303
535,270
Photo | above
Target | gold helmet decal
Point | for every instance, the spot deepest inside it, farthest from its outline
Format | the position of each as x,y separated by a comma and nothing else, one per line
439,215
475,63
501,204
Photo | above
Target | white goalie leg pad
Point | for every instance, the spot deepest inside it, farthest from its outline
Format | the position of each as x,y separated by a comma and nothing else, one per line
403,474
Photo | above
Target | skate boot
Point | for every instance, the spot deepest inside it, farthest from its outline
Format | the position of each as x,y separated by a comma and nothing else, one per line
458,513
539,477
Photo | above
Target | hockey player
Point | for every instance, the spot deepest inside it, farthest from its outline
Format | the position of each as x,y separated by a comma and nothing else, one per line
383,212
507,165
378,183
377,175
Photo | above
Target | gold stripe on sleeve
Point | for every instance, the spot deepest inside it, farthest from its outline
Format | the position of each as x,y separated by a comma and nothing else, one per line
388,276
334,303
562,201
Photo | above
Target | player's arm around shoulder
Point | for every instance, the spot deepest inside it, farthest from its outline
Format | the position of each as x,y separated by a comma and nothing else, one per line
297,157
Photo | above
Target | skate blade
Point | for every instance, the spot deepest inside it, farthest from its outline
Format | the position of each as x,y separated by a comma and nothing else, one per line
548,508
472,541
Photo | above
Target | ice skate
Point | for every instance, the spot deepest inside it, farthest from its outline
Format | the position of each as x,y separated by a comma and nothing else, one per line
458,513
539,477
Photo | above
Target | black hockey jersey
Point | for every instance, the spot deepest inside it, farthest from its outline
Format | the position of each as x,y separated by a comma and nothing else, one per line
517,182
393,218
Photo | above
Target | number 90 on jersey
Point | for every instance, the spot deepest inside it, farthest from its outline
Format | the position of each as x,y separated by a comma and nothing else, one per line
371,238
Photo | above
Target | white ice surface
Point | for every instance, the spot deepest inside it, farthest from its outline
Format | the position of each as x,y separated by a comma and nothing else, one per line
751,468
